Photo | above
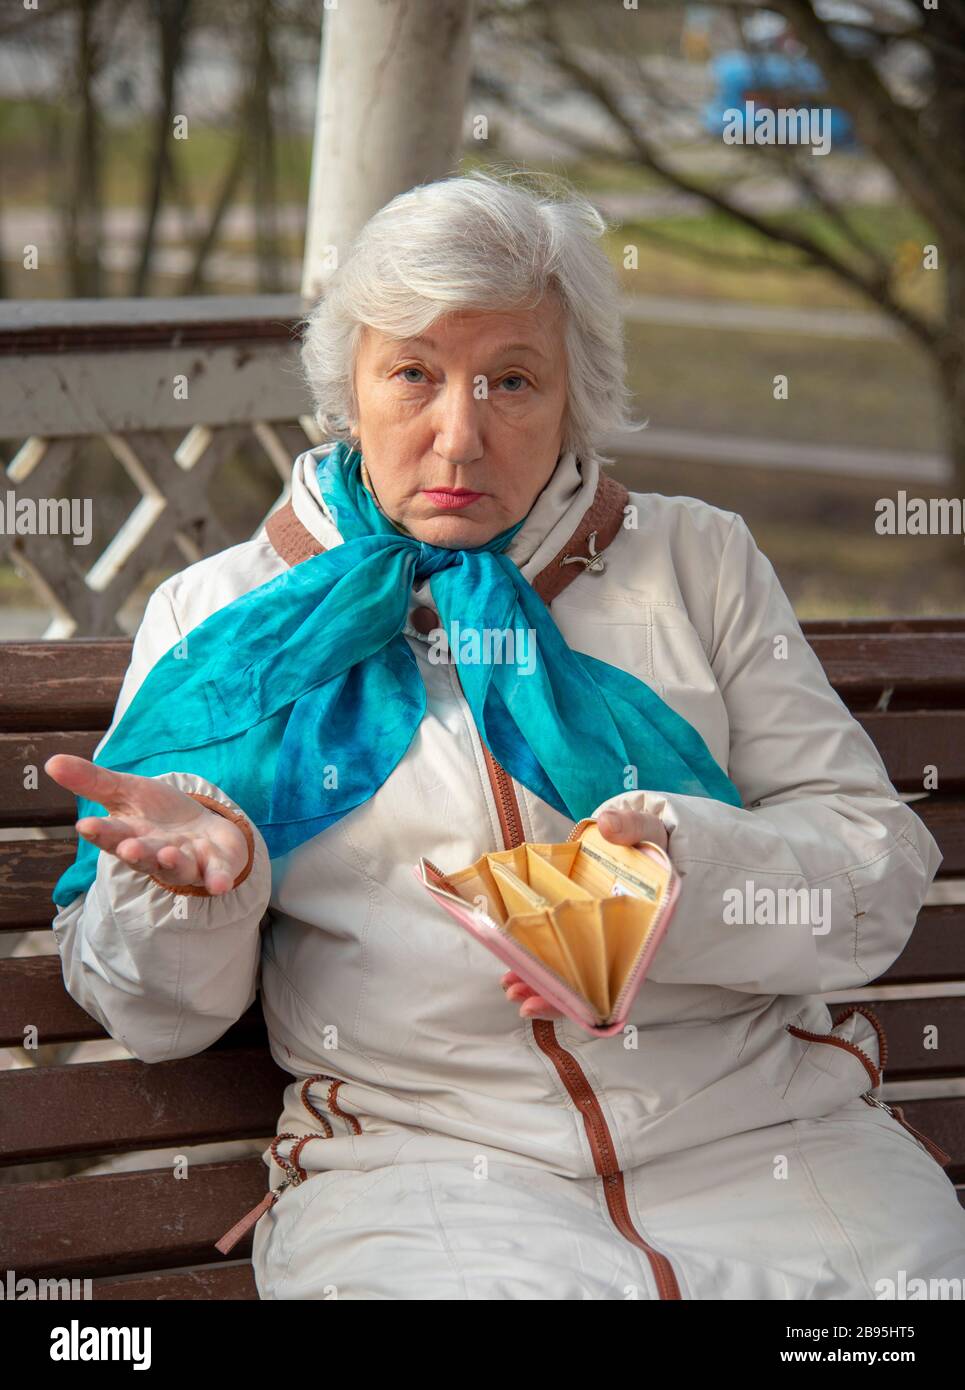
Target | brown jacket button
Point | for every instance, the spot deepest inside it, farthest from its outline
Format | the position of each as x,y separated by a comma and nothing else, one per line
424,620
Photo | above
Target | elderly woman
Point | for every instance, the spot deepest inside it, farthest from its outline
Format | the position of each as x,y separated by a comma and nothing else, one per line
290,739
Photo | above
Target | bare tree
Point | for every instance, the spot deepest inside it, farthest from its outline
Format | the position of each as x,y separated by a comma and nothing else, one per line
922,146
170,21
82,210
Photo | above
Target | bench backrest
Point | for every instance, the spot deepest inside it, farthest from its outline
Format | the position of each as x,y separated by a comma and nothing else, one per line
130,1231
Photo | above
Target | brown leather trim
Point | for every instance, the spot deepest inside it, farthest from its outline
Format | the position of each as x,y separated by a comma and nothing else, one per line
605,516
851,1047
192,890
295,543
573,1077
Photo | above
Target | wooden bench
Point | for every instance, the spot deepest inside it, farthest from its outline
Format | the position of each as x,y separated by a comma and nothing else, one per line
138,1234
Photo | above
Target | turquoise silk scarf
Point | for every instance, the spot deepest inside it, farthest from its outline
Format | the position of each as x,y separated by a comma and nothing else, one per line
299,698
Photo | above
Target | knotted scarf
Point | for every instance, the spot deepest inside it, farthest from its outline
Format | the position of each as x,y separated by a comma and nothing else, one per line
299,698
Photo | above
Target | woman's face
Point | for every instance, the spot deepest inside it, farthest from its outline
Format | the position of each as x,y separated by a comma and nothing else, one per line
476,402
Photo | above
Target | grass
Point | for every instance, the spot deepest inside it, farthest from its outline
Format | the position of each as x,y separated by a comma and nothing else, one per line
849,392
201,158
671,271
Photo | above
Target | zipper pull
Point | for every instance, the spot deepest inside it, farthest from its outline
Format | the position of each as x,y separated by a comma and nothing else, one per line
231,1238
936,1151
896,1113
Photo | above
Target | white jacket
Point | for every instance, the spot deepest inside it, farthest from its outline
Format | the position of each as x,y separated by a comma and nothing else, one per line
367,982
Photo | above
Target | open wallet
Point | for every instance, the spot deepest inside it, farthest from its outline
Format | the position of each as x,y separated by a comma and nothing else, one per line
579,921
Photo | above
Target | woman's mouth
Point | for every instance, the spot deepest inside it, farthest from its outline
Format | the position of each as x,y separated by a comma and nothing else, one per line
451,497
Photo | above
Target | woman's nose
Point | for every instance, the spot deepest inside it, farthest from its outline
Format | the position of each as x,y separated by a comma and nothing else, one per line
458,426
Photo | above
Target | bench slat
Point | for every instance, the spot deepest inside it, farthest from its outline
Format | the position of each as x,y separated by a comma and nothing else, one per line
946,821
234,1284
863,626
909,741
32,992
74,684
61,684
127,1223
28,871
47,803
923,663
32,987
905,1022
30,868
935,952
108,1107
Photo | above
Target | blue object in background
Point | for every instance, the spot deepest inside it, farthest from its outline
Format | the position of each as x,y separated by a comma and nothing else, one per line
771,81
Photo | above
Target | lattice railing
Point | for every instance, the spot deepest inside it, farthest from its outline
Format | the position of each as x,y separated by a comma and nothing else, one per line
219,376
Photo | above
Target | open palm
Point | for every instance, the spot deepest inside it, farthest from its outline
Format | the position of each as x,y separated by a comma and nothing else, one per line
153,826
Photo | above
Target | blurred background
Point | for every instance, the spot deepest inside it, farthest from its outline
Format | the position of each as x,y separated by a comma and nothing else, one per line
157,198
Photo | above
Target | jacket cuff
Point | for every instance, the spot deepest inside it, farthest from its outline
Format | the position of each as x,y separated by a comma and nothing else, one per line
237,818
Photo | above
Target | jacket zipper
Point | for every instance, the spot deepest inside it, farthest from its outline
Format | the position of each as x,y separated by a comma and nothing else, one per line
573,1076
876,1073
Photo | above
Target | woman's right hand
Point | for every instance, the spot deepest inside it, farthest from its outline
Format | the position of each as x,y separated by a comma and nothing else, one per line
153,826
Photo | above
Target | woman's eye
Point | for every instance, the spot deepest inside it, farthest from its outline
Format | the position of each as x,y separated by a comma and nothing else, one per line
408,380
520,379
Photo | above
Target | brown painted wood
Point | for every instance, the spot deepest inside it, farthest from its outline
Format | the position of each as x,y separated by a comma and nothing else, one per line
236,1283
945,820
28,871
74,684
61,685
32,988
905,1022
109,1107
32,992
48,803
935,951
127,1223
920,662
910,741
860,626
30,868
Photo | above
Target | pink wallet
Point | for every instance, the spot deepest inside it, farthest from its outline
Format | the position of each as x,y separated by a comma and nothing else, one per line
578,921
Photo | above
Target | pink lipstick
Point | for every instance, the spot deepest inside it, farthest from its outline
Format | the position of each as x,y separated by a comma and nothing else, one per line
451,497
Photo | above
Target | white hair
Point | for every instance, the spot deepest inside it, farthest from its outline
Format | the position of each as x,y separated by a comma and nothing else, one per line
475,242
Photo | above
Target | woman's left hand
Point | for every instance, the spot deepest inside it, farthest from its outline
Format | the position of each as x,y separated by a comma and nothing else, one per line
622,828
